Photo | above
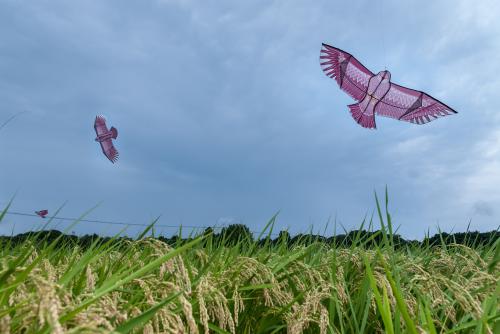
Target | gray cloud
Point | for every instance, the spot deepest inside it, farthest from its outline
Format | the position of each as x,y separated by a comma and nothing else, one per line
223,111
483,208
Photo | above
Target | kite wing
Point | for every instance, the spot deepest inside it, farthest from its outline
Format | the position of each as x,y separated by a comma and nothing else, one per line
411,105
100,125
109,150
349,73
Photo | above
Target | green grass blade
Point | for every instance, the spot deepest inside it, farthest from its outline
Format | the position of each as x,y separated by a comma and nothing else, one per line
382,308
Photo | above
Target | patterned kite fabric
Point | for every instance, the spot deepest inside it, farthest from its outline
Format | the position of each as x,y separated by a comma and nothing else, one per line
105,137
376,94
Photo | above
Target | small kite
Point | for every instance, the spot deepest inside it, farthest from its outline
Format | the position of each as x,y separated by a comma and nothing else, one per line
42,213
376,94
104,137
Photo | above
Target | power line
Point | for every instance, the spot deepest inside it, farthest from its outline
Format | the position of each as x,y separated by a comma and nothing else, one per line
16,213
102,221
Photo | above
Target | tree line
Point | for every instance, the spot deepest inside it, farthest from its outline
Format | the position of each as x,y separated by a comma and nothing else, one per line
239,233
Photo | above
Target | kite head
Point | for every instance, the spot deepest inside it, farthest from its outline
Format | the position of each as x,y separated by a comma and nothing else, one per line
114,132
385,75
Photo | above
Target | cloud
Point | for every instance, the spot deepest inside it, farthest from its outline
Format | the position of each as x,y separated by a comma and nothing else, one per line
414,145
483,175
223,111
483,208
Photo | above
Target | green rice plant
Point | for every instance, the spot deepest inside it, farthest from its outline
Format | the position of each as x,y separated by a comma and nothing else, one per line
210,283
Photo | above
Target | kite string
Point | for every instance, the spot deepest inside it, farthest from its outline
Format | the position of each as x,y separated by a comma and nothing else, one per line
382,31
11,118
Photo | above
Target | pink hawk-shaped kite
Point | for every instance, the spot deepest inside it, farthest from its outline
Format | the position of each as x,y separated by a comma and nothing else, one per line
376,94
42,213
104,137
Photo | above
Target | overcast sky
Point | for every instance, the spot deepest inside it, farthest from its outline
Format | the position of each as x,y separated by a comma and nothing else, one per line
224,115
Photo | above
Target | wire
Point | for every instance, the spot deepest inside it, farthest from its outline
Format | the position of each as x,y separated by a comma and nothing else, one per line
15,213
102,221
11,118
382,18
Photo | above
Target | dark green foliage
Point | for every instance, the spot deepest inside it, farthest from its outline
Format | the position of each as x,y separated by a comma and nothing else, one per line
231,235
235,233
470,239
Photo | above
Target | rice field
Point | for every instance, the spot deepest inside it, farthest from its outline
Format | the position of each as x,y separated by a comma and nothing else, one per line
204,285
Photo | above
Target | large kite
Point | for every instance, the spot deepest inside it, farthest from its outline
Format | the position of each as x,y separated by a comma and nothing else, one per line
376,94
104,137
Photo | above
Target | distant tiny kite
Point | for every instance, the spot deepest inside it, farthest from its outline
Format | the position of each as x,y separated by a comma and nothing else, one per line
376,94
104,137
42,213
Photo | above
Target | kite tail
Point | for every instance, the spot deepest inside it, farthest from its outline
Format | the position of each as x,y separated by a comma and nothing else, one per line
366,121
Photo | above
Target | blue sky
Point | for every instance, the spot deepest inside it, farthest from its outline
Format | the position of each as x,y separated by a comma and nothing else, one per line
224,114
